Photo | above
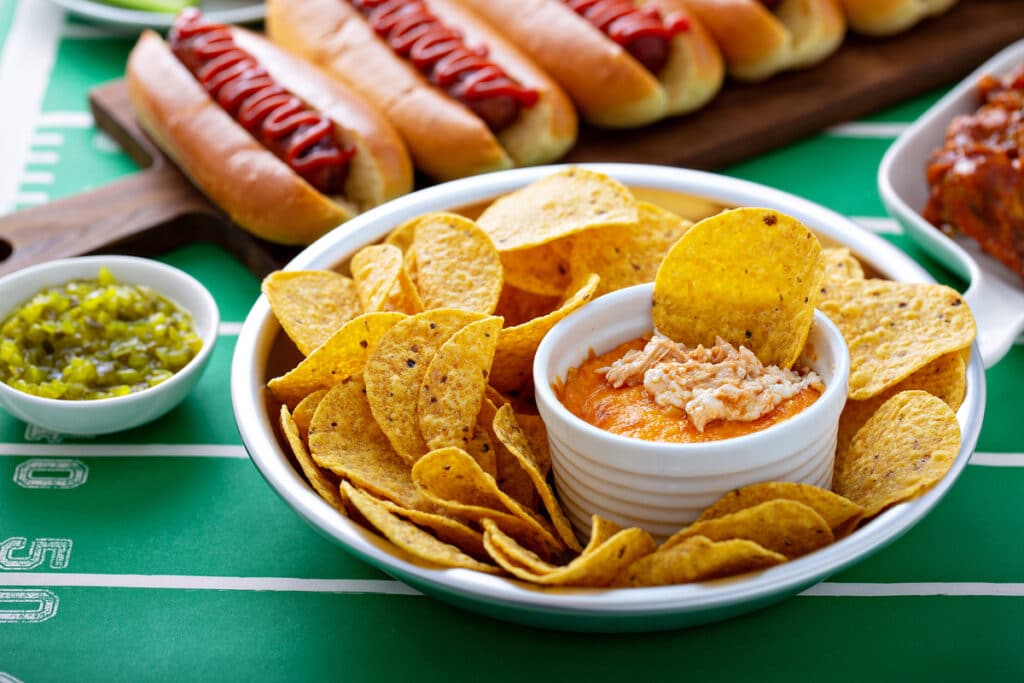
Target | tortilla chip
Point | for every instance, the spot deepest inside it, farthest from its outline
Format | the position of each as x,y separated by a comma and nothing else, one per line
345,439
376,270
717,282
396,368
457,265
556,206
945,377
452,479
518,306
311,304
509,473
840,514
303,414
409,537
513,359
322,483
595,568
906,447
343,354
506,426
894,329
454,385
783,526
699,559
841,266
627,255
541,270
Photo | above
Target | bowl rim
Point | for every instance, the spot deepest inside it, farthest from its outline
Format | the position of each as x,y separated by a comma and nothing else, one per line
636,609
50,268
718,448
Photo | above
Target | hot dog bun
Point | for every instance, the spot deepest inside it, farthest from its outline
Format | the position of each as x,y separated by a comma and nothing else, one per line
886,17
758,42
446,139
609,86
261,193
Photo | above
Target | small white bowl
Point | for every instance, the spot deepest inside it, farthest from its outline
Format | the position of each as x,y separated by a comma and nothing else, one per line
662,487
102,416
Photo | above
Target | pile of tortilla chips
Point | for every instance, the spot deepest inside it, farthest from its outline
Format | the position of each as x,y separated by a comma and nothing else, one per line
410,412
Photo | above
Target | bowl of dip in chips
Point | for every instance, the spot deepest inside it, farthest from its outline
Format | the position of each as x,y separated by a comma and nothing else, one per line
739,382
384,387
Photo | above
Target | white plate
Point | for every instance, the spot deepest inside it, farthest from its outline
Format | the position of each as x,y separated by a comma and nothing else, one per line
638,609
222,11
995,295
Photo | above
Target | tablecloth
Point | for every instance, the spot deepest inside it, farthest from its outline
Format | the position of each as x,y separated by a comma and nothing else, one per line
161,554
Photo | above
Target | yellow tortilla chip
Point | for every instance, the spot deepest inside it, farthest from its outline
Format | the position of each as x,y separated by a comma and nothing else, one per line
403,235
509,473
841,266
481,448
719,281
514,439
783,526
303,414
447,529
518,306
945,377
627,255
452,479
457,265
345,439
513,359
395,370
558,205
840,514
408,536
322,483
894,329
906,447
311,304
699,559
541,270
343,354
376,269
454,384
595,568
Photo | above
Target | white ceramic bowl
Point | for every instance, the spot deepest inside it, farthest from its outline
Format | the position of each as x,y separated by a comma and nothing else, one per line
662,487
642,609
107,415
995,295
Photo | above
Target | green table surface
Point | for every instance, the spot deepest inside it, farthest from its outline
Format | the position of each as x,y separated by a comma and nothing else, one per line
167,557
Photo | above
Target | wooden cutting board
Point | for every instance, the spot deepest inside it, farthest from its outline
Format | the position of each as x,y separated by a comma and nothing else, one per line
157,209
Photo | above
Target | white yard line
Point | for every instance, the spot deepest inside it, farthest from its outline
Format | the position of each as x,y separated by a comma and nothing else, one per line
923,589
997,459
122,450
42,158
65,119
48,140
37,178
866,129
25,66
31,198
230,329
235,583
386,587
878,224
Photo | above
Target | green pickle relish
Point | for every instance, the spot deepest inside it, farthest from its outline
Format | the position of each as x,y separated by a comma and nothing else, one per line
91,339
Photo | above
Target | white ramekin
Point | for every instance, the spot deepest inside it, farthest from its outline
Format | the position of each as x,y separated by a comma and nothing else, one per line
662,487
105,415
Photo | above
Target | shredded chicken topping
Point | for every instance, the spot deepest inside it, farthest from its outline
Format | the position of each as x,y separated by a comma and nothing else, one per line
718,383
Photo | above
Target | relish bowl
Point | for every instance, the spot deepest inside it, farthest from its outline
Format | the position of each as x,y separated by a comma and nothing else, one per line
659,486
106,415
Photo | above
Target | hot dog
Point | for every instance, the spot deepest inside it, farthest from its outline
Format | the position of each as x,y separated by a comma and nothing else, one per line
624,63
760,38
465,99
286,151
886,17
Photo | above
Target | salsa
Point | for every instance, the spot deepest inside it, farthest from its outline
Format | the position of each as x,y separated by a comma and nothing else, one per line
91,339
976,179
631,409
